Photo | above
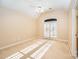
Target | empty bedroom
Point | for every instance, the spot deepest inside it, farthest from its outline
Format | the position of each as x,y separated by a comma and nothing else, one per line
39,29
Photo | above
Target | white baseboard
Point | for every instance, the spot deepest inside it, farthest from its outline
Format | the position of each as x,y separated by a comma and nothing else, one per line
63,40
57,39
13,44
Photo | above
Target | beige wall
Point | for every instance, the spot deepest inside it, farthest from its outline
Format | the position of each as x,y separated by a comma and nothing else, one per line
70,29
15,26
61,16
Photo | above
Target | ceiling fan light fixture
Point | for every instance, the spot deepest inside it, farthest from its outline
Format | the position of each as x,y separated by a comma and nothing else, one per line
39,10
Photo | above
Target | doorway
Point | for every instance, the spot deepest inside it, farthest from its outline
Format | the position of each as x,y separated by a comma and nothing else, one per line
50,28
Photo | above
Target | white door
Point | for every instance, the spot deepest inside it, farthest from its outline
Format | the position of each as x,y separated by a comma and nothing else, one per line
50,29
53,29
46,29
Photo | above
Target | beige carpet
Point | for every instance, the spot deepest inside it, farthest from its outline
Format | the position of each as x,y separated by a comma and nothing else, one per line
37,49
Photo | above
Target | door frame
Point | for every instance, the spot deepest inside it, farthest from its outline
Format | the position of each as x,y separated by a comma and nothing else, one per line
74,32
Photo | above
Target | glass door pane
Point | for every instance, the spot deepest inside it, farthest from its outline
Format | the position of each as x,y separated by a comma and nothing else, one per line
46,29
53,29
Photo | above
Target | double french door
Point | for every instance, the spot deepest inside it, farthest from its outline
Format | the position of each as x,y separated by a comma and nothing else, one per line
50,29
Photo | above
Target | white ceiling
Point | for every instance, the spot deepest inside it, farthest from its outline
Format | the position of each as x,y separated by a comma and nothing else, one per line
35,7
